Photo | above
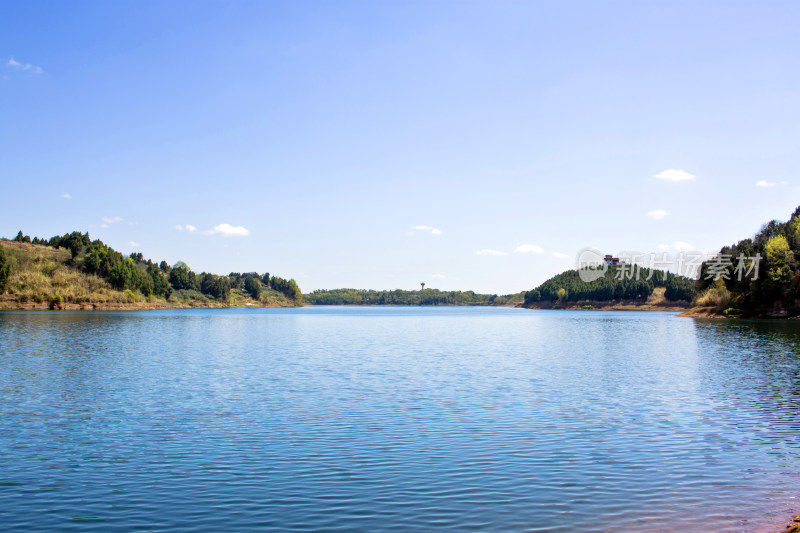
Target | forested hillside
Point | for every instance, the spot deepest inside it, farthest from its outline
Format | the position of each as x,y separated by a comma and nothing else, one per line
759,276
619,283
401,297
73,269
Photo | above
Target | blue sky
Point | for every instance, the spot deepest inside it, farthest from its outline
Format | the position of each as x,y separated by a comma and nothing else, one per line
469,145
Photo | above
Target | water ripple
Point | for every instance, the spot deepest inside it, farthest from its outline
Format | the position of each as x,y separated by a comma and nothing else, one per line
396,419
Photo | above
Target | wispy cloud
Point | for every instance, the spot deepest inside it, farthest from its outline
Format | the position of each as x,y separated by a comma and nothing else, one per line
560,255
658,214
66,195
439,276
133,244
677,245
187,227
764,183
12,63
673,174
529,248
433,230
112,220
490,252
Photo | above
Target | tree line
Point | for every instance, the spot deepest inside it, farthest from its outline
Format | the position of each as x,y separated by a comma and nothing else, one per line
402,297
625,282
135,273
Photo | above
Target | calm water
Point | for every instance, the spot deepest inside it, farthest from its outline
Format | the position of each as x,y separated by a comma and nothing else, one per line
397,419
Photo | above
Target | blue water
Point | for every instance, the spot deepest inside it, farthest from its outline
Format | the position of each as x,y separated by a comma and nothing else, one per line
331,418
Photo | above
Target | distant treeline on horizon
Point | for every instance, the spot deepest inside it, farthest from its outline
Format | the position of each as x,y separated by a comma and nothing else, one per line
403,297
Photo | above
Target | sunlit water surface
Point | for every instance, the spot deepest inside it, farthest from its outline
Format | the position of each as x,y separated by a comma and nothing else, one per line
397,419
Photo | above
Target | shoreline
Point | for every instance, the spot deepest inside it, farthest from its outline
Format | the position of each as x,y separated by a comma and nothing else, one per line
609,307
712,312
793,526
108,306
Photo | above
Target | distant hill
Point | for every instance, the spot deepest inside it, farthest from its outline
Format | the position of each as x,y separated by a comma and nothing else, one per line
401,297
74,272
619,286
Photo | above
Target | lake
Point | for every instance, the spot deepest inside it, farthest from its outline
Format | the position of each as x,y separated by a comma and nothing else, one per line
378,419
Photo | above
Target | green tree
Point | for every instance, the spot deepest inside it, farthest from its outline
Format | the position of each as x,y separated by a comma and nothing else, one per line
181,277
294,291
161,285
120,271
74,243
216,286
222,289
95,259
779,259
252,286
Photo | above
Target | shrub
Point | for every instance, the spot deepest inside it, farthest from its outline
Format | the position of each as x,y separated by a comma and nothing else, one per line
718,296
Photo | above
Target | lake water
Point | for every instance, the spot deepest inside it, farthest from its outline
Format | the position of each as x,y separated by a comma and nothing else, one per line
333,418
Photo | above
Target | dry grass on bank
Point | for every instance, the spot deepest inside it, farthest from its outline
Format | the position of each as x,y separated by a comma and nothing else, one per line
717,297
43,277
43,274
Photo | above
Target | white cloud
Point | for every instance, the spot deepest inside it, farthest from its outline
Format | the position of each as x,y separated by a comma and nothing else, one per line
20,66
112,220
225,230
677,245
764,183
438,276
528,248
433,230
560,255
133,244
674,175
658,214
490,252
66,195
